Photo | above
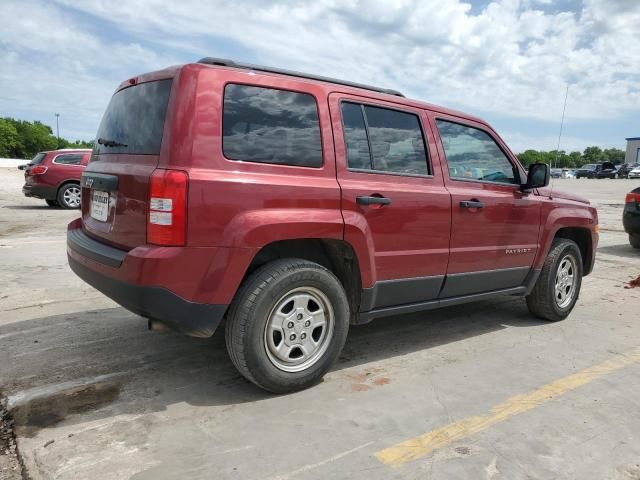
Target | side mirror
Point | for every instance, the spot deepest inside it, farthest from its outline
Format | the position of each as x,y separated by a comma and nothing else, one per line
537,177
23,166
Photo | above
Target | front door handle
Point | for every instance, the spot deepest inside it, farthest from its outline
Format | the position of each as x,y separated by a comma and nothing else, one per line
471,204
372,200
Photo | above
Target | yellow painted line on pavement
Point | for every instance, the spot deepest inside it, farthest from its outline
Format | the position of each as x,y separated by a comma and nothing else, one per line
422,445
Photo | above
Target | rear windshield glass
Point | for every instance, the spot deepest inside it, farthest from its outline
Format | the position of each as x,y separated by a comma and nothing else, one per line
134,120
37,159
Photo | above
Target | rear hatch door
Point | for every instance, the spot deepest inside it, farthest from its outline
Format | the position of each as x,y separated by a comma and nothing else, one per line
115,183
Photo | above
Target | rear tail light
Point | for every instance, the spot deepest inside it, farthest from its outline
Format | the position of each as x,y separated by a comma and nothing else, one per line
37,170
167,220
632,197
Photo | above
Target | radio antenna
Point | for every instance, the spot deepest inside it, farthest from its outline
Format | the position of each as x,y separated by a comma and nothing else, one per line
564,107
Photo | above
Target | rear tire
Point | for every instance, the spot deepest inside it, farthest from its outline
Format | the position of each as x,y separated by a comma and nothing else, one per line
558,287
69,196
287,325
52,203
634,240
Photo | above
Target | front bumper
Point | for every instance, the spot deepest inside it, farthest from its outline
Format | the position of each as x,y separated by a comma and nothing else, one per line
117,274
631,218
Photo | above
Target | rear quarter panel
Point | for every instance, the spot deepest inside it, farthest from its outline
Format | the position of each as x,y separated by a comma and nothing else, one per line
57,173
248,204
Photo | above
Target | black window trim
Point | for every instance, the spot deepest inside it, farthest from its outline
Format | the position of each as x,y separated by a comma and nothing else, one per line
255,162
69,164
366,124
475,180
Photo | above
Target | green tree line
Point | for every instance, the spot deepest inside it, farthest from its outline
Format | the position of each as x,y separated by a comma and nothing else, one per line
21,139
562,159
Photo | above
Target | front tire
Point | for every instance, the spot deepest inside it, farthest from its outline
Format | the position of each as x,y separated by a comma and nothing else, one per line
69,196
558,287
634,240
287,325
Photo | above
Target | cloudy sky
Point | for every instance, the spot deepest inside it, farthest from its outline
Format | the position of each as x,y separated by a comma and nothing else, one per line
508,61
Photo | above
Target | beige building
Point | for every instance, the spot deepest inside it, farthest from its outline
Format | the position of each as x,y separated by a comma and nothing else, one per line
633,150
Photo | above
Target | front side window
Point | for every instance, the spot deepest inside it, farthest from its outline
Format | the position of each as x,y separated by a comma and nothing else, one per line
69,159
266,125
383,140
473,155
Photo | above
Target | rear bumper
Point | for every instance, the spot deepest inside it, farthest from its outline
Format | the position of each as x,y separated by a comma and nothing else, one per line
631,218
44,192
188,289
194,319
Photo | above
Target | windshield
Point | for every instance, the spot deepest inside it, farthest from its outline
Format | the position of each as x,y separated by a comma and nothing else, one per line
589,166
134,120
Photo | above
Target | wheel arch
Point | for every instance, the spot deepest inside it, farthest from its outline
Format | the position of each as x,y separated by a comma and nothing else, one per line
582,237
66,182
338,256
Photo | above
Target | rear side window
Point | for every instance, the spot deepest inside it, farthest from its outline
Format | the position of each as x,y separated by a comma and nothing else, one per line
134,120
383,140
473,155
271,126
69,159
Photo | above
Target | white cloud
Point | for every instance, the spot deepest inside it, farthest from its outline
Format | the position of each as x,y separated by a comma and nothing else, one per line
512,58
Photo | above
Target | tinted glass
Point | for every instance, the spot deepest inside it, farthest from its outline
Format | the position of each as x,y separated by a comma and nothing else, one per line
135,117
37,159
69,159
355,136
271,126
396,141
472,154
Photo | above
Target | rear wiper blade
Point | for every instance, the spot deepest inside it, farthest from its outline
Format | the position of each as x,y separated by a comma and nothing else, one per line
111,143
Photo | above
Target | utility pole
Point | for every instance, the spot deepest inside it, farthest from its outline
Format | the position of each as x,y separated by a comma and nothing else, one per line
564,107
57,129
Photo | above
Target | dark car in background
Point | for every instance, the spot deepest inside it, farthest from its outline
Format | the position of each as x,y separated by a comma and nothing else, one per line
631,217
597,170
625,169
55,176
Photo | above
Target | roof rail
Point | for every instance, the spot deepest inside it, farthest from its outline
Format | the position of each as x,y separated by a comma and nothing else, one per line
248,66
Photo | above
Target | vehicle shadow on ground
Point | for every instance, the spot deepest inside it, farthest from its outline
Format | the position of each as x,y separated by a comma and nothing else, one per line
622,250
31,207
147,372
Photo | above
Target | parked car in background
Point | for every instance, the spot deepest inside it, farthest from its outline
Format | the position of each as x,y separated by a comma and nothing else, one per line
623,171
54,176
292,206
567,173
631,217
586,171
634,172
597,170
556,172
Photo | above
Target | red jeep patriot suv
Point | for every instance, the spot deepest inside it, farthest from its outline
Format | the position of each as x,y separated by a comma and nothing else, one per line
55,176
293,206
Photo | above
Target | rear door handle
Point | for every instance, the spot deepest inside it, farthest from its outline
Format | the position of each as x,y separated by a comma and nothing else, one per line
373,200
471,204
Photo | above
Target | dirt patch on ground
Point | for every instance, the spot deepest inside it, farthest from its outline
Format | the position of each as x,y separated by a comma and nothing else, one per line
10,468
635,283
